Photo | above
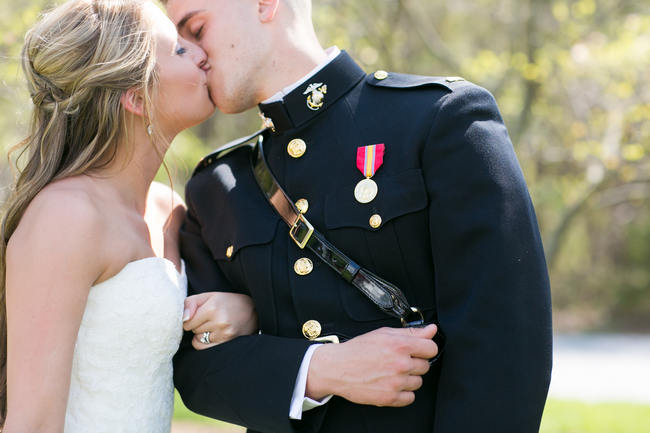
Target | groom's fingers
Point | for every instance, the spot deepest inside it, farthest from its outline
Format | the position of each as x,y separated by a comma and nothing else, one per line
427,332
412,383
423,348
419,367
404,398
416,341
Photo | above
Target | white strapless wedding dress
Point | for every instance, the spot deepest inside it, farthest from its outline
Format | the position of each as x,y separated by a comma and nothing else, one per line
122,369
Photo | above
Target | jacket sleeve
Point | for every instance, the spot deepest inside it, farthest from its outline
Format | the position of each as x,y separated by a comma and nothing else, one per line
248,381
492,287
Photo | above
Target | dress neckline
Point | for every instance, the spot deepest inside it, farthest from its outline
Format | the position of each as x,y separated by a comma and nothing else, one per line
164,259
132,263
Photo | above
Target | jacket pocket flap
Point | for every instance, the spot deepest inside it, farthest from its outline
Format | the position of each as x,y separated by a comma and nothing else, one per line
225,244
398,195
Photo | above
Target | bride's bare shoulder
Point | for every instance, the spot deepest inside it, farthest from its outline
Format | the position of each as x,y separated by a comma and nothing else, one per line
68,203
62,222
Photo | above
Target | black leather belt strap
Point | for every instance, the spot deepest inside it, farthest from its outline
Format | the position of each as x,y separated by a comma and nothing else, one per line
385,295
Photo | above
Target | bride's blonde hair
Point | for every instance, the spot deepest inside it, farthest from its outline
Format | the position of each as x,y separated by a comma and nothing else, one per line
78,61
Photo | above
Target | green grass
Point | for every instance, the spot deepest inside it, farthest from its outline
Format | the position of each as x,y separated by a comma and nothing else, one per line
576,417
181,413
559,417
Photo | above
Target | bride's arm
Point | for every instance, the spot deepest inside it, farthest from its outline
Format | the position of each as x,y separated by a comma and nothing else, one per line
225,315
53,258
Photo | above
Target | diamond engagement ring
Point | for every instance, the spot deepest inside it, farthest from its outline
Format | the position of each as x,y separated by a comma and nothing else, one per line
205,338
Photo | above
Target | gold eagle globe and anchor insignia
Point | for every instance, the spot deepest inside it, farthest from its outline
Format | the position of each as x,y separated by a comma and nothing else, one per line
316,95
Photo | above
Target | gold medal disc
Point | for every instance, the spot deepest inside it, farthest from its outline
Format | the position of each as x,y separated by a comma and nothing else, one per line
365,191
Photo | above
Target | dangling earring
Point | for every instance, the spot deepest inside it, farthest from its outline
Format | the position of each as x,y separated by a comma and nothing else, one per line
149,130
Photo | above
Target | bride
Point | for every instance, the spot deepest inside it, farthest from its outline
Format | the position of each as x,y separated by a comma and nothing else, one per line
92,285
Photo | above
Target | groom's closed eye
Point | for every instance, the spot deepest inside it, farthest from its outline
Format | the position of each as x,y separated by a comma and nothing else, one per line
184,28
198,33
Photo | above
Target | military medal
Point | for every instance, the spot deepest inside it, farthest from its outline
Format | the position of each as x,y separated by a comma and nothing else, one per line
369,159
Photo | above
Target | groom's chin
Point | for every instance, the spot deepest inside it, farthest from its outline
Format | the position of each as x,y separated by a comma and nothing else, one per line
233,107
231,103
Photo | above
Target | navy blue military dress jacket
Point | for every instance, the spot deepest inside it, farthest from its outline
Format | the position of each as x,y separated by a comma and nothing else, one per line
457,234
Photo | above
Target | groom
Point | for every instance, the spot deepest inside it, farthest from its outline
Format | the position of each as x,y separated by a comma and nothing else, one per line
412,177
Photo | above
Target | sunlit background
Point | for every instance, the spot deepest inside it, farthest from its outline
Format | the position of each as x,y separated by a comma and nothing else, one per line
572,80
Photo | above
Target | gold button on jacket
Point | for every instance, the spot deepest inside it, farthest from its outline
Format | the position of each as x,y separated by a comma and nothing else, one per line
302,205
303,266
229,251
375,221
381,75
454,79
296,148
311,329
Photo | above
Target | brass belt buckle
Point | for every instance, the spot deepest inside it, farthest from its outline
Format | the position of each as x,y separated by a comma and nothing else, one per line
294,228
327,339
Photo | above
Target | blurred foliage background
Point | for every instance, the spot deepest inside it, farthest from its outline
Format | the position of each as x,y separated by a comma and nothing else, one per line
572,81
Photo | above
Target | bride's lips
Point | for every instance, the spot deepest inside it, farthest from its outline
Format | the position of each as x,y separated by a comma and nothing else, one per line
206,69
207,86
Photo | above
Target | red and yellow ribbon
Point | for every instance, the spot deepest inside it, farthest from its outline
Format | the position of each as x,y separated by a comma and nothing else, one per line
370,158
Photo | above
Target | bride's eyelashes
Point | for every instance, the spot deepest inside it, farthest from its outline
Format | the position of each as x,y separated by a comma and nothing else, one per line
180,50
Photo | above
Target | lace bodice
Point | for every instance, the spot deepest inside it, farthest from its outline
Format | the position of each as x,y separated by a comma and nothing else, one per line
122,368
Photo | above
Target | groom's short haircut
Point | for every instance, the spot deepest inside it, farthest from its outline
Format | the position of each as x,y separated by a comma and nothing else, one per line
296,5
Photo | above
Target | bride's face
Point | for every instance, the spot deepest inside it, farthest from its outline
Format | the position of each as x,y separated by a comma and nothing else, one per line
182,99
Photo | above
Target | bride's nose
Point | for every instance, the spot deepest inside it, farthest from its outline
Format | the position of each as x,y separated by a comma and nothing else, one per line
199,57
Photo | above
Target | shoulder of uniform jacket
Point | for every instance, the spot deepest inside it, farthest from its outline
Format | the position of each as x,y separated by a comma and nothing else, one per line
220,152
396,80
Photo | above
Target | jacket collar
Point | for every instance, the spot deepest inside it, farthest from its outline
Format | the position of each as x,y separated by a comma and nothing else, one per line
315,96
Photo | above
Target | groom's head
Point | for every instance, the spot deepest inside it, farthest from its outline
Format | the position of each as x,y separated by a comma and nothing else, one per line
248,43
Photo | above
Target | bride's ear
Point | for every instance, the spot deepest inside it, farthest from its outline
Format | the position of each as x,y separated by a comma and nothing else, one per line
267,9
133,102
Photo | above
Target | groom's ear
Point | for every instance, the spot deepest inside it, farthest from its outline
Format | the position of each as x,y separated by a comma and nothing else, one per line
133,102
267,9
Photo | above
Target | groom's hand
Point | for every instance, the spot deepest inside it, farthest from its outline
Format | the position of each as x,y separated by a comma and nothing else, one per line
380,368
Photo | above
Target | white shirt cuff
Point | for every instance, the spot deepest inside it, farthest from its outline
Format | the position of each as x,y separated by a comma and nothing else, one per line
299,402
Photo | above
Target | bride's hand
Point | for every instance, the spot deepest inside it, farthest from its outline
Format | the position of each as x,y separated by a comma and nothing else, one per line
224,315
